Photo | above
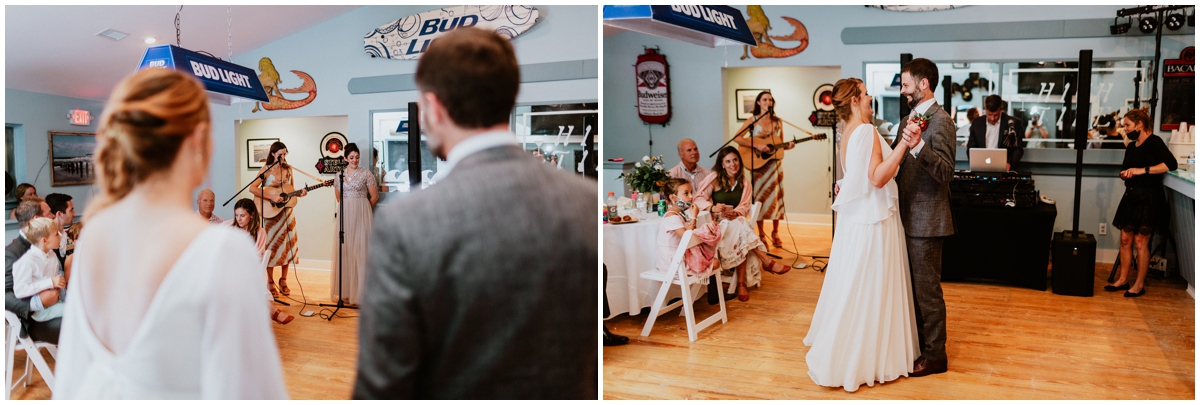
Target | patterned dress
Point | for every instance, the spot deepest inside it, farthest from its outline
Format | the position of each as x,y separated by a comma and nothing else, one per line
358,214
282,240
768,181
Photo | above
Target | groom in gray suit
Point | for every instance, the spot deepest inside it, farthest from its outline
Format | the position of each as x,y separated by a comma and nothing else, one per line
484,285
924,184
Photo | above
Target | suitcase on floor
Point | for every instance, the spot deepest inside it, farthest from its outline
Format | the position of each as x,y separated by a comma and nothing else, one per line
1073,271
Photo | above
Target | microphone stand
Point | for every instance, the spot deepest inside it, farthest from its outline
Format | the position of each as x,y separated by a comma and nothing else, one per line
262,221
341,244
749,128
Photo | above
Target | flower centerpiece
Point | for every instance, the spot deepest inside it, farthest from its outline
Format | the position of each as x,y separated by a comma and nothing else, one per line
647,176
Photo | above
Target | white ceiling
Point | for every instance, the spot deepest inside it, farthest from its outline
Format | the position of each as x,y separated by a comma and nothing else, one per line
55,50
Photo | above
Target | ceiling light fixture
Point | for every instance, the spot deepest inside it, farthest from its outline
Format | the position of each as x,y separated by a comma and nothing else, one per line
112,34
150,40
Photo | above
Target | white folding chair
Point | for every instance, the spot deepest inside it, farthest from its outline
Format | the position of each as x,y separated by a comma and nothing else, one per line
14,341
677,274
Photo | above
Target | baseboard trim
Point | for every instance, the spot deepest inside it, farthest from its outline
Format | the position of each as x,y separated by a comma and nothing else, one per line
808,219
311,264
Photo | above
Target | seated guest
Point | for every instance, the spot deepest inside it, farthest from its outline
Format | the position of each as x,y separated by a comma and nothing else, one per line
29,209
62,210
688,167
245,217
38,270
1143,209
996,129
72,234
23,191
206,201
727,193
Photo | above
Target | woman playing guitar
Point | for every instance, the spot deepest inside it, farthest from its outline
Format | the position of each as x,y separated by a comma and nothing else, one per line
282,240
767,174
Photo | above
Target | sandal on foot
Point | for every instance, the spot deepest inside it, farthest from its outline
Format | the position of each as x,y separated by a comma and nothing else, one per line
281,317
283,288
778,242
770,268
743,297
274,292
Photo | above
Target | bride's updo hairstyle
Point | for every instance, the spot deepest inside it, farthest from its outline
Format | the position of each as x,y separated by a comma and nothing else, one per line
144,123
844,92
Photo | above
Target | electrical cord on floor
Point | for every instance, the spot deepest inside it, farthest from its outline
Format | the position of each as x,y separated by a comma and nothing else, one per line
304,304
819,265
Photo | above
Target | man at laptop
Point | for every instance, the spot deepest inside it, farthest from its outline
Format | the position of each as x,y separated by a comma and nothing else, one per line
996,129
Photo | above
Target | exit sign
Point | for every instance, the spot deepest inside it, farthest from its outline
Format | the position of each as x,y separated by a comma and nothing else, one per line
80,117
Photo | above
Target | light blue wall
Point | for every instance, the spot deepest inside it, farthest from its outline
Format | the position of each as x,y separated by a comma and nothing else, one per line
696,78
34,115
332,52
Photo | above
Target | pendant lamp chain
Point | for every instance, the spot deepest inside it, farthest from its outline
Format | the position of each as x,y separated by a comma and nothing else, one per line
177,42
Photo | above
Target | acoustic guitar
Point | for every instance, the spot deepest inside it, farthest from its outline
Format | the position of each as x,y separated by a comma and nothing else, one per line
271,209
774,150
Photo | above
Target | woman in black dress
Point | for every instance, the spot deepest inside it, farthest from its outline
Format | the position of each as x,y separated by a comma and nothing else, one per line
1143,209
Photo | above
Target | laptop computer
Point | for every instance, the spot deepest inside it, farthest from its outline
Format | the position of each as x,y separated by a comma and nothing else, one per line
989,160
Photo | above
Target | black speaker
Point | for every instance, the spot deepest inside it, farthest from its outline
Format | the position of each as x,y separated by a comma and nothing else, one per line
414,147
1074,264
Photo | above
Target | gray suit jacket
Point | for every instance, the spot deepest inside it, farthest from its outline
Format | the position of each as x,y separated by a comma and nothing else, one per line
924,181
483,286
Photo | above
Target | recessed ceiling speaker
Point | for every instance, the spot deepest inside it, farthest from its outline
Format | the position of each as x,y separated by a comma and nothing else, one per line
1174,22
1148,24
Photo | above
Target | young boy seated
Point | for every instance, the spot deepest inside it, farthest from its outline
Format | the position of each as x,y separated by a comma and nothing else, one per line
38,269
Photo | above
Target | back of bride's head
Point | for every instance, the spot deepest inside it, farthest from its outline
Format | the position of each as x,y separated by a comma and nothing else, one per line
144,124
844,92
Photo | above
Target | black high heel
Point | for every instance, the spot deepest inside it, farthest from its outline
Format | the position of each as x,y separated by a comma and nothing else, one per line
1136,294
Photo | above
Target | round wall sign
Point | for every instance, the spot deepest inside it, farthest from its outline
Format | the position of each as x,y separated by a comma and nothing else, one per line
823,97
333,145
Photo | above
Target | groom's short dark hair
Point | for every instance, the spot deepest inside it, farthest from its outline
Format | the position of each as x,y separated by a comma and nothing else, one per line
921,68
474,73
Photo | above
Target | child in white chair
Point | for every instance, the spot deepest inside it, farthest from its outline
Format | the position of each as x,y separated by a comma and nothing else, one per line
39,270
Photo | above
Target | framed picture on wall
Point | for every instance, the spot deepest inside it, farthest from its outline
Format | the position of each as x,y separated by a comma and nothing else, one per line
71,154
257,151
743,99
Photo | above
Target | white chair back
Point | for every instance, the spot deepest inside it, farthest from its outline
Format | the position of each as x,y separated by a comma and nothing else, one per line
677,274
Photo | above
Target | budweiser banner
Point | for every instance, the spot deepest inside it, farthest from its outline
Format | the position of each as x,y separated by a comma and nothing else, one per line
653,97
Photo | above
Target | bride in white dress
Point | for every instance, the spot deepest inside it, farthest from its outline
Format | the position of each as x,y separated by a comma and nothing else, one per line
864,326
161,305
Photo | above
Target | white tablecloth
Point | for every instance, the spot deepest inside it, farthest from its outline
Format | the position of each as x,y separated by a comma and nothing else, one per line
629,250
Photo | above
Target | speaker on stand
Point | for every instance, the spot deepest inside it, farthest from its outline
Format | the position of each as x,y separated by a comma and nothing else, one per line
1074,263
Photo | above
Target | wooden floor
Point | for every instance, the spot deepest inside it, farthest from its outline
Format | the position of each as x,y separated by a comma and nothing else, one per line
1003,343
319,356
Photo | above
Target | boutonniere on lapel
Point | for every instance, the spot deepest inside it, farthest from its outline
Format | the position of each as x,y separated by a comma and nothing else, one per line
922,120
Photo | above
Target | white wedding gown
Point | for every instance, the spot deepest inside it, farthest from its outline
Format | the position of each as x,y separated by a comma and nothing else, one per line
206,335
864,327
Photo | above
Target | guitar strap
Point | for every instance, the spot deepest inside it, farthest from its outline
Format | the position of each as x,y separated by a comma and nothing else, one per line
294,168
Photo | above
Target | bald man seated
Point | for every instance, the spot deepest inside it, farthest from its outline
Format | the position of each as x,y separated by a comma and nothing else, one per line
688,167
206,202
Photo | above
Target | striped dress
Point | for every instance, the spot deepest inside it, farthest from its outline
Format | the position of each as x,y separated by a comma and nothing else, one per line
282,240
768,183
